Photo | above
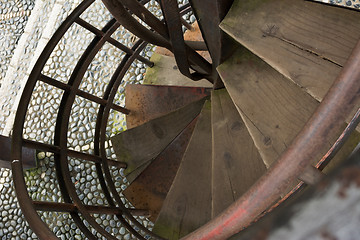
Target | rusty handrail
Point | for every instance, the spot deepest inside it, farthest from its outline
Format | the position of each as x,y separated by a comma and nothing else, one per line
354,122
39,227
335,107
25,202
160,37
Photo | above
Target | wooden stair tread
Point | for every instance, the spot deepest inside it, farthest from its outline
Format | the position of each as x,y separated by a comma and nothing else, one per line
237,163
148,102
139,145
307,42
150,188
188,203
165,72
131,176
273,108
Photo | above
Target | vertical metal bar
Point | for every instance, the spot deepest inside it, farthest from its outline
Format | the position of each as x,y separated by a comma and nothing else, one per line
100,133
186,24
174,29
340,141
100,33
123,16
62,122
39,227
220,45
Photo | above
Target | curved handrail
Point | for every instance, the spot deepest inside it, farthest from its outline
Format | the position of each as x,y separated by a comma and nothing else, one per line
34,220
161,38
59,148
335,107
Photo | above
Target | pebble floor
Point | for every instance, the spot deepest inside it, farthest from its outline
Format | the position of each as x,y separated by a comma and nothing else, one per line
39,126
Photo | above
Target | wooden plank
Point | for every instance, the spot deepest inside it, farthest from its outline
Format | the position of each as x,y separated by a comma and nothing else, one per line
131,176
305,41
165,72
273,108
193,34
138,145
188,204
237,163
147,102
150,189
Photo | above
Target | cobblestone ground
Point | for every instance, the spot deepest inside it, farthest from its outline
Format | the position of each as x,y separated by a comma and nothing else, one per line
40,120
13,18
346,3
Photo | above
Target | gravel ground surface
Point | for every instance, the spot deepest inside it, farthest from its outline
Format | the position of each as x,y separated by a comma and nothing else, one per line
346,3
13,18
40,121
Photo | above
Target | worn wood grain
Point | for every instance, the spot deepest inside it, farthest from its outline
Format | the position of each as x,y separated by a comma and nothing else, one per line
273,107
307,42
147,102
139,145
165,72
188,204
237,163
150,188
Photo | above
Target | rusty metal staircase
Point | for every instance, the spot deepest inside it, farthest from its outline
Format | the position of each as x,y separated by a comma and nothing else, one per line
265,104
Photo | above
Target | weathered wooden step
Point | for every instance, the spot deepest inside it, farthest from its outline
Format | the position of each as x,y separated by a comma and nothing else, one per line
165,72
147,102
237,163
305,41
139,145
188,204
150,188
274,109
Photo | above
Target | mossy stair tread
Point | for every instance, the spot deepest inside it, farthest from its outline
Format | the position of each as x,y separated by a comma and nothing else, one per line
147,102
188,203
165,72
237,163
304,40
150,188
139,145
274,108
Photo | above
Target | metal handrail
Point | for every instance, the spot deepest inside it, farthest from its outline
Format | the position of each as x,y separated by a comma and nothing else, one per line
161,35
73,204
59,150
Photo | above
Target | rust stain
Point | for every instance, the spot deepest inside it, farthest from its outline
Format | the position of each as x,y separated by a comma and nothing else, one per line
347,177
327,236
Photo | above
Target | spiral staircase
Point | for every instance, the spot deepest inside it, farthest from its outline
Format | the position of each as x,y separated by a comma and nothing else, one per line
201,162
